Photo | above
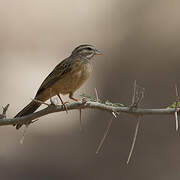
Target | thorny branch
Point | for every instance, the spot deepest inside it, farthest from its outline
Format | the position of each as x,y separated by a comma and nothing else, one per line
87,105
88,102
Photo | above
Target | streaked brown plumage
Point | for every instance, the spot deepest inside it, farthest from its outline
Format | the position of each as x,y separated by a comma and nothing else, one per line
66,78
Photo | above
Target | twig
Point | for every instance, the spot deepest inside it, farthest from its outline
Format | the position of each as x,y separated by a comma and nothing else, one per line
104,136
134,139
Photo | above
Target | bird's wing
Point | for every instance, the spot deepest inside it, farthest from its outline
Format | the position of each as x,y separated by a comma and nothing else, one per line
59,71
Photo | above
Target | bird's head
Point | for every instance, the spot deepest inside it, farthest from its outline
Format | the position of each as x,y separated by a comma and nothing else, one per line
86,51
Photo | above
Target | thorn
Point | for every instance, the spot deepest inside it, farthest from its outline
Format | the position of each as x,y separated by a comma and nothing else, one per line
176,108
134,92
138,95
134,140
176,119
3,115
5,109
96,93
176,89
104,136
115,114
24,133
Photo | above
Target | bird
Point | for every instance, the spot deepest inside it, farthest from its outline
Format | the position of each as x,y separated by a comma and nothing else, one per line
68,76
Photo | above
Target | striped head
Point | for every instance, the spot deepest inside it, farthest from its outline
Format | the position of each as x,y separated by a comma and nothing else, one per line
85,51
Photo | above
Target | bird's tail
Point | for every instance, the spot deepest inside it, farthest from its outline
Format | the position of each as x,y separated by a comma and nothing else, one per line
30,108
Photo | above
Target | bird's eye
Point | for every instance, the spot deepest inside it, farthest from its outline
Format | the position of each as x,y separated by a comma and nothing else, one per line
89,49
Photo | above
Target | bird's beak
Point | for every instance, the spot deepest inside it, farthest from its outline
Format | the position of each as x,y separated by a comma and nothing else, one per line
98,52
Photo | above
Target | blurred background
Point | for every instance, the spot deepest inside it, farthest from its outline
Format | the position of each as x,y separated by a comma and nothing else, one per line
139,41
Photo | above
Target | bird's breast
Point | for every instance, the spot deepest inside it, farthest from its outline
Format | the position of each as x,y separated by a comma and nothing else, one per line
81,73
73,80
